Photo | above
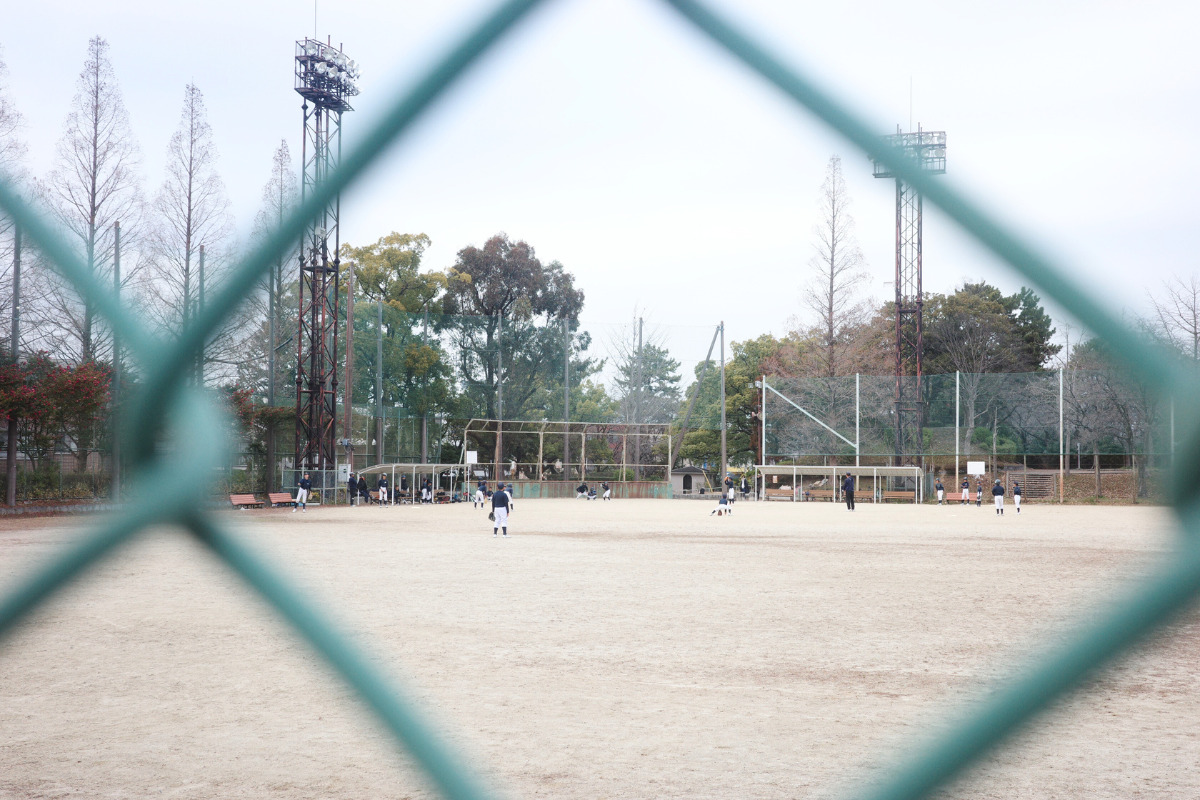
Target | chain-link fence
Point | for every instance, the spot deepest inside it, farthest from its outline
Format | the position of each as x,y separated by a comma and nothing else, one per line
170,435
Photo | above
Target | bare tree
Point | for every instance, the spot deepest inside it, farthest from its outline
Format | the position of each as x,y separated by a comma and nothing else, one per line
12,148
12,168
1177,314
279,196
190,212
837,267
94,183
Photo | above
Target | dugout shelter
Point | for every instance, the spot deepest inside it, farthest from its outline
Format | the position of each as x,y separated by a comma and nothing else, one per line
447,478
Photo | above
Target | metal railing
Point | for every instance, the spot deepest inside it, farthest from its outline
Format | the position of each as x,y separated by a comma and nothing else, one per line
168,409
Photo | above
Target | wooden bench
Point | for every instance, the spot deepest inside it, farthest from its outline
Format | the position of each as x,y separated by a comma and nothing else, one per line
280,499
907,497
780,494
240,501
822,494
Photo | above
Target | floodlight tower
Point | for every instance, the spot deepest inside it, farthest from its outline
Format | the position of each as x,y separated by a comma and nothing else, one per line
928,150
325,78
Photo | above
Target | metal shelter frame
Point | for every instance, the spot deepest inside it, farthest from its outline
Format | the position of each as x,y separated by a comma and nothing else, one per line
568,431
835,472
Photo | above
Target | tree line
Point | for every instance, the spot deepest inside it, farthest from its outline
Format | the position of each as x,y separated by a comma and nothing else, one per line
494,335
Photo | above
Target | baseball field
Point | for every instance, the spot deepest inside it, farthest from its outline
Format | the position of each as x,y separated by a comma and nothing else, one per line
604,650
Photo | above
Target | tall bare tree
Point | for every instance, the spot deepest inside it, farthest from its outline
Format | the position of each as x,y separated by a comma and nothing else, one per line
93,184
279,195
12,168
837,273
1177,314
190,212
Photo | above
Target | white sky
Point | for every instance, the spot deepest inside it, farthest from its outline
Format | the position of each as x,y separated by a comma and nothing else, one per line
613,138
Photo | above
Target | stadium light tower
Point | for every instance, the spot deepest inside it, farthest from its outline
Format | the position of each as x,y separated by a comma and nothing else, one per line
326,79
928,150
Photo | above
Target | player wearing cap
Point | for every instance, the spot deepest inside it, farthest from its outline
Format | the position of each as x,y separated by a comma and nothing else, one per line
941,491
848,491
966,492
501,504
480,494
998,496
607,490
1017,496
302,490
978,493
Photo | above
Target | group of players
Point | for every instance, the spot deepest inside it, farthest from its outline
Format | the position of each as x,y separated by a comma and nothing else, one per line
997,494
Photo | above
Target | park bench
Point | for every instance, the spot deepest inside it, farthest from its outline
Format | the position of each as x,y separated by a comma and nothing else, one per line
280,499
240,501
906,497
822,494
780,494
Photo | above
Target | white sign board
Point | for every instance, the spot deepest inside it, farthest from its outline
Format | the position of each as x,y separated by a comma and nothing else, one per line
472,456
976,468
343,473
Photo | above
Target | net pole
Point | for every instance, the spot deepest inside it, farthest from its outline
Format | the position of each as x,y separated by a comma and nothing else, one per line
957,435
724,453
1061,477
857,420
762,452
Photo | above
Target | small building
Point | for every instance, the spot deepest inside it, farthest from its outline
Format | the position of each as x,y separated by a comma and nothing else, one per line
688,480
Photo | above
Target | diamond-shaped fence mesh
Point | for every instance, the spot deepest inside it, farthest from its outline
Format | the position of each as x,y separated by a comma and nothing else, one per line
166,431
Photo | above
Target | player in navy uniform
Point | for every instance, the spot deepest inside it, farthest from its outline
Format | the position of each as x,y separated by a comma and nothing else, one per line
966,492
607,490
1017,496
998,496
382,486
352,490
302,490
848,491
480,494
941,491
501,504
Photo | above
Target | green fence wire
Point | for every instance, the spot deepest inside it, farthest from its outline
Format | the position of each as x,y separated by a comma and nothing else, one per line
168,411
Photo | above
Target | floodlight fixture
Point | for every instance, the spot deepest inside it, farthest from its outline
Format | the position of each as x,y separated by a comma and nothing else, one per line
324,75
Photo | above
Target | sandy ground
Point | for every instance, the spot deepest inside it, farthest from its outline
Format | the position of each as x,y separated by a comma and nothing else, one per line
624,649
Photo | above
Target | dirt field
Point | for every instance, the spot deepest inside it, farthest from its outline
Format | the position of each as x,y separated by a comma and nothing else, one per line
628,649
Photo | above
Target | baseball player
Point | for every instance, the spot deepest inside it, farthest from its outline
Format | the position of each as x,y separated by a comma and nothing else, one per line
978,493
382,486
480,494
1017,496
848,491
998,496
724,508
607,490
302,490
501,504
966,492
729,490
941,491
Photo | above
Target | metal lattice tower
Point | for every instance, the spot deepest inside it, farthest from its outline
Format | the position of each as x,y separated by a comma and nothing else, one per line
325,79
928,150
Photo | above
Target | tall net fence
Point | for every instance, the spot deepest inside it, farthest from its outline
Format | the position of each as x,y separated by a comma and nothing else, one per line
169,438
1023,417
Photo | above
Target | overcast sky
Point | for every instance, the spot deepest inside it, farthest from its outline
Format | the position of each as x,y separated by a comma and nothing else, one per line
613,138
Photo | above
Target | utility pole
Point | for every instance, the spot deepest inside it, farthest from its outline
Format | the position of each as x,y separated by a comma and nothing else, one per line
199,312
348,392
637,408
11,487
424,402
566,395
271,367
724,454
379,386
499,394
116,379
